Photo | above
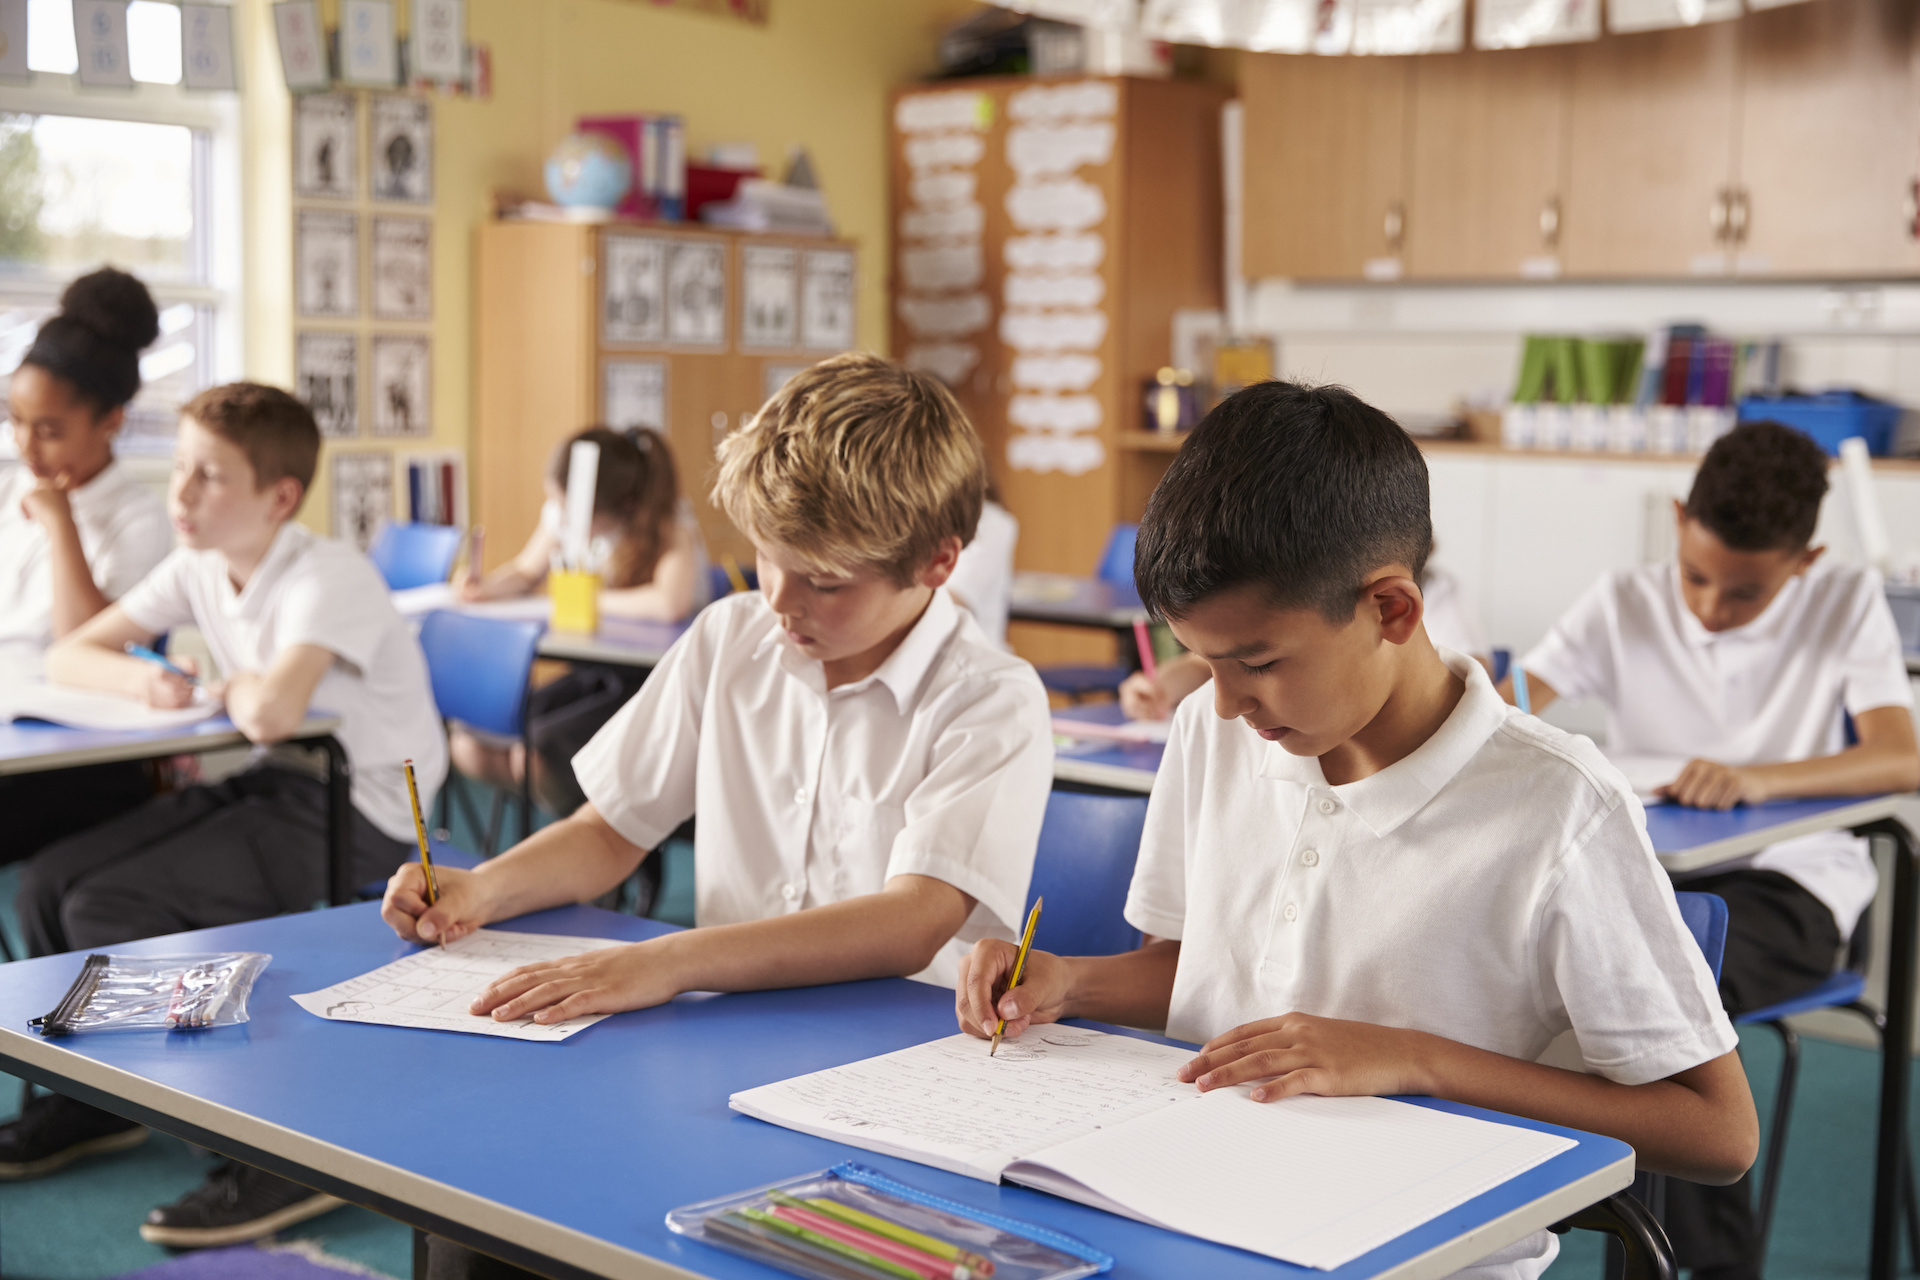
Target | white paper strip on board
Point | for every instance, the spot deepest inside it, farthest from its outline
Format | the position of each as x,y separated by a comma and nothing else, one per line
950,362
1045,451
938,112
1072,251
1519,24
1055,373
1037,331
1061,204
1055,413
13,39
1408,26
1085,13
1658,15
950,150
943,188
1075,100
1036,150
100,39
1264,26
1022,290
943,266
948,317
966,221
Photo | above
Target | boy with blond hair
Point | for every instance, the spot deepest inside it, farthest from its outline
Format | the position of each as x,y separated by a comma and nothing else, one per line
868,768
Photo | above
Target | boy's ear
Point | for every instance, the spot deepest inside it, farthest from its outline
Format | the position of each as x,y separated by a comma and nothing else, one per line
1807,558
1398,604
287,495
946,555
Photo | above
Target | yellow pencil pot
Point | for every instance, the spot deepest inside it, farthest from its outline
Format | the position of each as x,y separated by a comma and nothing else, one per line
576,600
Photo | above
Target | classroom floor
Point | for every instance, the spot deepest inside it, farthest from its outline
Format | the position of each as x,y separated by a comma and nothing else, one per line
82,1223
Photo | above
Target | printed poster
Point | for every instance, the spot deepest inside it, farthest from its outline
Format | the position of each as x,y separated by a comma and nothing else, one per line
769,297
326,375
634,394
697,293
362,495
402,376
402,269
826,300
326,162
402,149
326,251
633,290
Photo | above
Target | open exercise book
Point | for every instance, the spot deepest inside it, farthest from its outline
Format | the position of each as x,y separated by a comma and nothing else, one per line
32,700
1102,1119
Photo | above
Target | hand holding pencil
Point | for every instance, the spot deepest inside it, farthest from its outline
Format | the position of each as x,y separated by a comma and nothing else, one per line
987,999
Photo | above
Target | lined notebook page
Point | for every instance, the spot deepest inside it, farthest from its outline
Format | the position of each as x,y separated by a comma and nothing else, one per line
947,1104
1312,1181
84,709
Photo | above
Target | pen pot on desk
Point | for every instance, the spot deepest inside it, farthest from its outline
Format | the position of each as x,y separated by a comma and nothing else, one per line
576,600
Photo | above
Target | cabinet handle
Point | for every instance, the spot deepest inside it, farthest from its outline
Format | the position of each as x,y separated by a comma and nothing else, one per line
1550,222
1910,213
1739,214
1395,226
1719,215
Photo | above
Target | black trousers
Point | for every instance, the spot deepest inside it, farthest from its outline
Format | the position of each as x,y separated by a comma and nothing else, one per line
1781,941
564,714
253,845
38,808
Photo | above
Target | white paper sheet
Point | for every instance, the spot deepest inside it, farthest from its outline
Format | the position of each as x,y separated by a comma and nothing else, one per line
82,709
432,988
1646,774
1127,731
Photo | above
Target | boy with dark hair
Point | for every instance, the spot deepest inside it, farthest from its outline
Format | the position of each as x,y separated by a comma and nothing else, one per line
1729,675
293,621
1386,880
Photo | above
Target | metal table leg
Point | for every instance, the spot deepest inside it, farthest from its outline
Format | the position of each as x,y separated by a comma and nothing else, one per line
1897,1050
340,886
1641,1242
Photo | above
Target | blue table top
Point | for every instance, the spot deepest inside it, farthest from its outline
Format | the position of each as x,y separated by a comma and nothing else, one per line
1687,838
606,1132
27,746
1127,765
1070,601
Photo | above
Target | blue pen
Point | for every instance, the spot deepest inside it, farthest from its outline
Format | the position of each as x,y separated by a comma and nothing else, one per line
145,654
1520,698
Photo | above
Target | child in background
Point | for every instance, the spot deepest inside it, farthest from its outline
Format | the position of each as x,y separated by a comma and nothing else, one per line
1448,617
1728,675
1386,880
869,771
293,621
982,582
657,570
76,531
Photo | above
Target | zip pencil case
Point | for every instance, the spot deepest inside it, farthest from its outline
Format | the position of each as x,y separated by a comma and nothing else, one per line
851,1222
174,993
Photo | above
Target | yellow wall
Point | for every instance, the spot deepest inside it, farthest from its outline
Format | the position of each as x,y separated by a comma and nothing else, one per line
816,74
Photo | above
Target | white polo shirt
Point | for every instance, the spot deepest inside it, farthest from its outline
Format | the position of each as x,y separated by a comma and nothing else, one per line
938,764
318,591
984,575
123,532
1495,887
1773,690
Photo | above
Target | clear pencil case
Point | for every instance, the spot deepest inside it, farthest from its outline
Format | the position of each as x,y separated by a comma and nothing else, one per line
855,1223
174,993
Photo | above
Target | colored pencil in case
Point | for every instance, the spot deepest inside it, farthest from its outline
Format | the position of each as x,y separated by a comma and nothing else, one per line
785,1252
904,1255
1019,963
807,1236
420,832
980,1266
1144,643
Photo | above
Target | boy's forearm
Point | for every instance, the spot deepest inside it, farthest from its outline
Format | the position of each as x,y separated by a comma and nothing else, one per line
86,664
1133,989
1859,770
574,860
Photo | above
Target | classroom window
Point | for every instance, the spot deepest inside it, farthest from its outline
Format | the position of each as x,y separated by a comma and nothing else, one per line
153,39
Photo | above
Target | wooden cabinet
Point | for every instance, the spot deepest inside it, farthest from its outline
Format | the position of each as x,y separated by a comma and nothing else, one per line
1325,171
1488,164
575,326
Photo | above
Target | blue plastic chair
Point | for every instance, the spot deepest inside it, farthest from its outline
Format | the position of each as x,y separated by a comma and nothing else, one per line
414,555
720,585
1116,566
1705,915
1084,865
479,669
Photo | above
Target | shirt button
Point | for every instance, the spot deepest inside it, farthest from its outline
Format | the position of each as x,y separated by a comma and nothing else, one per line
789,892
1311,858
1327,804
1291,912
800,796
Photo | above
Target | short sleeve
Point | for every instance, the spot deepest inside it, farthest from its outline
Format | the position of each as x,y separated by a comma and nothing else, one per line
974,820
336,603
139,541
639,771
1157,898
1576,657
1616,962
160,601
1873,669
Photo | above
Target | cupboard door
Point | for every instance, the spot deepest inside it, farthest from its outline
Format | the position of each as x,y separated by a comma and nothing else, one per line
1829,139
1488,164
1324,160
1650,153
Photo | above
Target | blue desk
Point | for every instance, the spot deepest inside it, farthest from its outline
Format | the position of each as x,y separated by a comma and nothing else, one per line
623,642
31,746
1075,602
1112,766
1694,839
567,1156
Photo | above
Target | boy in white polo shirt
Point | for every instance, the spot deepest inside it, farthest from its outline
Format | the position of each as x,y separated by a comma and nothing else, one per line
1728,675
1386,880
293,621
869,770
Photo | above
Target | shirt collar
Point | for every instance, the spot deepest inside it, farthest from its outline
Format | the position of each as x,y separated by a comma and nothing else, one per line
250,601
903,671
1768,621
1388,798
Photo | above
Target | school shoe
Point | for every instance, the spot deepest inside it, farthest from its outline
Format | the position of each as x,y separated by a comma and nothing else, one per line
236,1203
54,1131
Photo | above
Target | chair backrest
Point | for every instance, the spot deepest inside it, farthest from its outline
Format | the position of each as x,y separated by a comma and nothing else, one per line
721,585
1088,844
414,555
479,667
1705,915
1116,562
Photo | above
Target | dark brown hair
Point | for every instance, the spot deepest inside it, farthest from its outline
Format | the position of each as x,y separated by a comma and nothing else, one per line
106,319
274,430
636,485
1759,488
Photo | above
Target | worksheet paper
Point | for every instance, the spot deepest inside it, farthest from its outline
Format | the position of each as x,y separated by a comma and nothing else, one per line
81,709
1102,1119
432,988
1126,731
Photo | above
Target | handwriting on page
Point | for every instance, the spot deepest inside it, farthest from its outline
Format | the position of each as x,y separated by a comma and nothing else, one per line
432,988
947,1098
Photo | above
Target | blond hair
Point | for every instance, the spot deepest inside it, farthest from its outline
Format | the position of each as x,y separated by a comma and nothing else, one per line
855,462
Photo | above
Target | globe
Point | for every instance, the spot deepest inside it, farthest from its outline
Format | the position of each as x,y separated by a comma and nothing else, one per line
589,172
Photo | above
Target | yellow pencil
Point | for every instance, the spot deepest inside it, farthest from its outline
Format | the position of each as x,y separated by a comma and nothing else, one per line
420,830
737,578
1019,963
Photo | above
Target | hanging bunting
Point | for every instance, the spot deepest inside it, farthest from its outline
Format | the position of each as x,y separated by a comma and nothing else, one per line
100,39
437,48
369,54
1655,15
206,47
303,49
13,39
1520,24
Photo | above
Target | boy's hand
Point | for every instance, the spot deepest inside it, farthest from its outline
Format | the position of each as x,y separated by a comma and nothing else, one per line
459,909
1301,1053
1706,785
610,980
1144,699
1040,997
165,690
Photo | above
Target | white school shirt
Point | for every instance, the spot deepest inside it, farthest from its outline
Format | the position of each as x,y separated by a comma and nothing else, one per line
938,764
553,521
1771,691
984,575
124,532
318,591
1495,887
